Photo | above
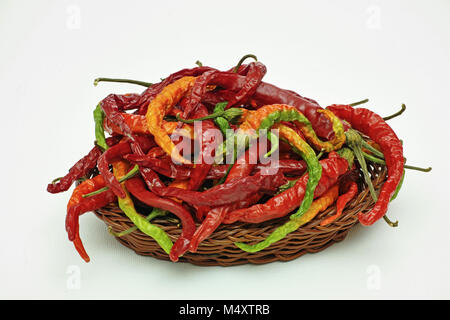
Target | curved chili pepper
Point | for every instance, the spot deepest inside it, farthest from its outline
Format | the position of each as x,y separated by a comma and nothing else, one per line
80,169
372,125
159,106
280,205
314,168
77,205
127,206
151,92
112,106
137,188
265,117
341,202
235,190
198,90
317,206
254,74
113,154
207,143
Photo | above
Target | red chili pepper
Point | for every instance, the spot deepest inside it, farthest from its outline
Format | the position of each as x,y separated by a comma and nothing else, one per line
254,73
79,169
235,190
152,91
78,205
116,153
215,217
373,125
208,143
341,202
137,188
282,204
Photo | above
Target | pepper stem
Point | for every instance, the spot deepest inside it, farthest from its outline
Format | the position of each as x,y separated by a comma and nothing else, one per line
242,61
396,114
358,103
141,83
380,161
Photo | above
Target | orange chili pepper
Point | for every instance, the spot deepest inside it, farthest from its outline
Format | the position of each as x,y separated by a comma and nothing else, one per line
159,107
341,202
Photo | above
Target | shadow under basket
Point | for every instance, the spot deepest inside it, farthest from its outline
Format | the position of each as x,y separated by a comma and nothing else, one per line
219,248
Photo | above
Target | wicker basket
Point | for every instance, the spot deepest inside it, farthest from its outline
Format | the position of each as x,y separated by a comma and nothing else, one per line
219,249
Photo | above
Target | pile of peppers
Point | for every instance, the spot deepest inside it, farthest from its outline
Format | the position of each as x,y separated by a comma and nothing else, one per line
136,157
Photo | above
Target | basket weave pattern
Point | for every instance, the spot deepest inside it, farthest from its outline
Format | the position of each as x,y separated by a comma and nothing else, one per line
219,248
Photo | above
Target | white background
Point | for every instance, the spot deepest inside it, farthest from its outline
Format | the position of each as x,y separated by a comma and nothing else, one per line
391,52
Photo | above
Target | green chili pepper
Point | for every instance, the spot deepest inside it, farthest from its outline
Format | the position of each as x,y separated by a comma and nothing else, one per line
99,116
312,163
160,236
156,212
399,186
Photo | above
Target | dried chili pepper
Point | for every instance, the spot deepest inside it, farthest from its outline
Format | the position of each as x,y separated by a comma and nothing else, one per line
207,143
159,106
235,190
113,154
138,125
80,169
341,202
379,131
136,187
151,92
254,75
77,205
333,167
317,206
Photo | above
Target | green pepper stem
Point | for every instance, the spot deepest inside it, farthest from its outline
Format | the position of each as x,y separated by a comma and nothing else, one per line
56,180
129,175
396,114
141,83
376,152
359,102
380,161
242,61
